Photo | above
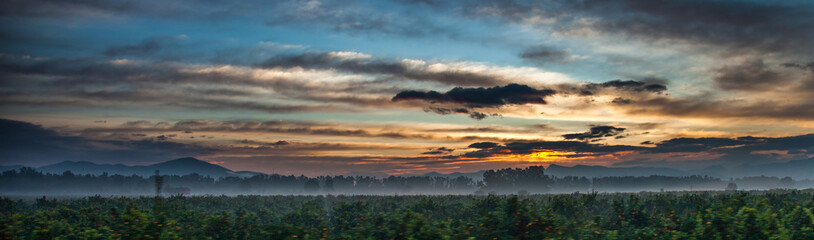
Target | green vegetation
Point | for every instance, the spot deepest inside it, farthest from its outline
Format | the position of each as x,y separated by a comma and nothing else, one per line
781,214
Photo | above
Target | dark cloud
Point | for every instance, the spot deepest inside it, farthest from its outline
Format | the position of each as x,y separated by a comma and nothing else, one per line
648,85
804,66
281,143
800,143
101,9
741,150
468,98
753,75
705,107
621,101
541,55
738,25
439,151
628,88
596,132
741,144
284,148
527,147
727,151
734,26
478,115
77,82
446,111
31,145
483,145
476,129
481,97
291,127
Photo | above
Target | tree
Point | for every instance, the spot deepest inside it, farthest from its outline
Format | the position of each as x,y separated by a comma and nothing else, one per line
732,187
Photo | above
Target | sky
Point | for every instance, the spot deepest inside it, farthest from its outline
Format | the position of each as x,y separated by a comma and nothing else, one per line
407,87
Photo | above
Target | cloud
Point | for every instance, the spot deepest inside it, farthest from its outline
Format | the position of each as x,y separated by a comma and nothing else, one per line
267,127
804,66
697,144
649,85
483,145
582,149
459,100
732,26
738,25
541,55
751,76
676,151
354,18
481,97
365,64
472,114
621,101
596,132
158,85
735,25
706,107
745,144
185,9
439,151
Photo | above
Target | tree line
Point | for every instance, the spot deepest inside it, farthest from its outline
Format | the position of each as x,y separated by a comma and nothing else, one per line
27,181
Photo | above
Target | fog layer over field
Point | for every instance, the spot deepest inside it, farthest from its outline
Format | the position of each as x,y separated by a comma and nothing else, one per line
30,182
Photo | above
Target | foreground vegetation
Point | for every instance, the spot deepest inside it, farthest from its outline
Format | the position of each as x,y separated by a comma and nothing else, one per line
781,214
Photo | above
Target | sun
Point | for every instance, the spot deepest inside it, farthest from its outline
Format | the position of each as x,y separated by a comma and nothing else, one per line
541,157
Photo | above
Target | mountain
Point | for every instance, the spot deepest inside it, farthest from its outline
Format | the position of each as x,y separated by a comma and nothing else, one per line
10,167
181,166
797,169
477,176
83,167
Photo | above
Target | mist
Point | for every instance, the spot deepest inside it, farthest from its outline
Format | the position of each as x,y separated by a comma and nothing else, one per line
530,180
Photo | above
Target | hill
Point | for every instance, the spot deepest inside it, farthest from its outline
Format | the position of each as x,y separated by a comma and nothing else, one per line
181,166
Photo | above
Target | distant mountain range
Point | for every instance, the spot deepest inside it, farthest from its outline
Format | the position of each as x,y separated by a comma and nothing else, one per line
181,166
473,175
10,167
797,169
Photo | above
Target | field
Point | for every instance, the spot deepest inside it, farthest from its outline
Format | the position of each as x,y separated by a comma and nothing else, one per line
778,214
